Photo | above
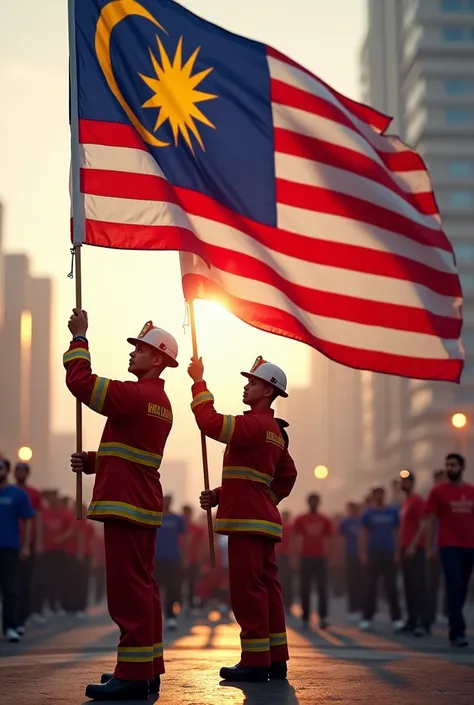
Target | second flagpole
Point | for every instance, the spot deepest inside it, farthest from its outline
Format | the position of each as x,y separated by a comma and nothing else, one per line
205,463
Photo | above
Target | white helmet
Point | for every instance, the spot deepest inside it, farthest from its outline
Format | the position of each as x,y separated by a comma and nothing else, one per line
270,373
159,339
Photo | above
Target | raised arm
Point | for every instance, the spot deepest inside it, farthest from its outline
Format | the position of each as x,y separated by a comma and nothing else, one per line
100,394
105,396
225,428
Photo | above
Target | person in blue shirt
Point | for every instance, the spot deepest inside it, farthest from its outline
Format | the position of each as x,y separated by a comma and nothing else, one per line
379,552
349,528
14,505
171,559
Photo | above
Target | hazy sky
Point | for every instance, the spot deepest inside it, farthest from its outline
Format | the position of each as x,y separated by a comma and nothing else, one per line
122,290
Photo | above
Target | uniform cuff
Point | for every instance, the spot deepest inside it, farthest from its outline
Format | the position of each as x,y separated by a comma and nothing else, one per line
83,343
198,387
78,350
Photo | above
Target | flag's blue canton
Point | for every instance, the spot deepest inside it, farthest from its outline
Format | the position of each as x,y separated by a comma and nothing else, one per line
237,167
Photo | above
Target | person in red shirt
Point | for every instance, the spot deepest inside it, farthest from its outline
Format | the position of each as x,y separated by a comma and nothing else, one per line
452,504
30,599
69,546
413,557
58,527
195,538
434,571
283,555
311,533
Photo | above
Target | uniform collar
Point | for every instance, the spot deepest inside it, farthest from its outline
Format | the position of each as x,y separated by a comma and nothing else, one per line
157,382
264,412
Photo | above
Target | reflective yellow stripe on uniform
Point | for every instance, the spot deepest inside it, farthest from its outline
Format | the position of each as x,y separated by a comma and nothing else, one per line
228,425
255,645
201,398
234,472
278,639
251,526
135,654
122,510
134,455
98,394
76,354
157,650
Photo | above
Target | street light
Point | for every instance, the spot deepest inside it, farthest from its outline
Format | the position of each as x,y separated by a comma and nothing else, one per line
25,454
459,421
321,472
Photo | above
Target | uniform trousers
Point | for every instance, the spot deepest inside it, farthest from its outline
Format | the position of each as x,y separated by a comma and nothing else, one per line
133,599
256,600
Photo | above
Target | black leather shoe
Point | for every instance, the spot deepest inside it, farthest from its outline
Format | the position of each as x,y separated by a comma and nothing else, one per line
239,674
278,671
118,689
154,685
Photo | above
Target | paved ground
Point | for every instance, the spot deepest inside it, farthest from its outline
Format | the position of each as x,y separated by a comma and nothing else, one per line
54,663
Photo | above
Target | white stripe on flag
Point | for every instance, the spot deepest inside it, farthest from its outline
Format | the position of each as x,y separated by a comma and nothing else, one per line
309,173
333,330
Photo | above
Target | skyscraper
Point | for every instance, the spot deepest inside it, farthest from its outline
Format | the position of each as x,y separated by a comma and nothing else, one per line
25,378
16,357
40,381
417,66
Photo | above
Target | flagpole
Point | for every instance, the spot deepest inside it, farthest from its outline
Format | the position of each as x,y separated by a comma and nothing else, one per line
77,212
205,464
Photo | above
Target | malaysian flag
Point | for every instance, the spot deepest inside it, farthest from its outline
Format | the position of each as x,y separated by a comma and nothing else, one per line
289,202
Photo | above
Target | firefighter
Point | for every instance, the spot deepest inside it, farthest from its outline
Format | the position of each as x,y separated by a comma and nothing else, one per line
127,497
258,472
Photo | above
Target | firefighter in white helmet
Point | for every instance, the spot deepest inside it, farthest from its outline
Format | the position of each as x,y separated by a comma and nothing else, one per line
258,472
128,497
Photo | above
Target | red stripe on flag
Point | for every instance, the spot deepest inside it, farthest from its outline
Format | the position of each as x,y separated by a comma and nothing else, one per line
110,134
292,97
351,257
279,322
364,112
121,236
323,152
325,303
325,201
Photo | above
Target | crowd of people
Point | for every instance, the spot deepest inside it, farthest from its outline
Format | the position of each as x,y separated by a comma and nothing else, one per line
51,564
421,540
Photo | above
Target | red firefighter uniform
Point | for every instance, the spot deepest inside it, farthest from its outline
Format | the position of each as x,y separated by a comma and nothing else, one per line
257,473
128,498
